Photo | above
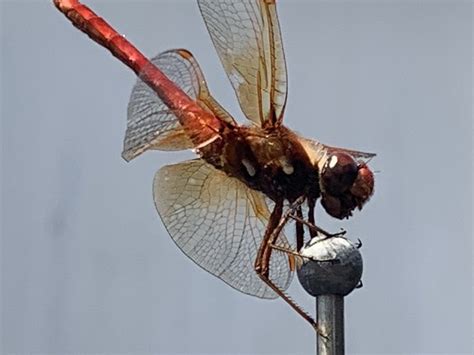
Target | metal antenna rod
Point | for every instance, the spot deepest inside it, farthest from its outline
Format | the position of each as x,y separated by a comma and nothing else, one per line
330,318
333,270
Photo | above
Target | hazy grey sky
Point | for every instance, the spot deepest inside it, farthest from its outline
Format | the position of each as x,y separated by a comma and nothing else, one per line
87,265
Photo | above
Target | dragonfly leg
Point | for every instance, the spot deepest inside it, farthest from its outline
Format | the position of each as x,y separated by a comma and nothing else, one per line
290,251
317,229
311,205
300,230
262,263
286,250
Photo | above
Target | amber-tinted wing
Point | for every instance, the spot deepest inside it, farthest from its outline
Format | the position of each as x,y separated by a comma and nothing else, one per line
246,35
218,222
150,124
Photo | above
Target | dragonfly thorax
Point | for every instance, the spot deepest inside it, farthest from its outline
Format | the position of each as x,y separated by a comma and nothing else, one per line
272,161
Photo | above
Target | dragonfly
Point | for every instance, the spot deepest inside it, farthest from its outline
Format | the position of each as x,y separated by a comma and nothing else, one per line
228,209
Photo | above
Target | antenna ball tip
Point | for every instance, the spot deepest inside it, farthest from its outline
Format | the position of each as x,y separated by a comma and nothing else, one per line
333,266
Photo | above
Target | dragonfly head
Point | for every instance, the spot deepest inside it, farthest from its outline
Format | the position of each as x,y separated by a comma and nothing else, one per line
345,184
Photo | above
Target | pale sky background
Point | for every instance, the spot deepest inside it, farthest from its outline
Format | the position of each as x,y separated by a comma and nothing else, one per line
87,266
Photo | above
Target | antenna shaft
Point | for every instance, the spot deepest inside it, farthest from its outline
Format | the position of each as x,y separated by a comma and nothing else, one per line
330,319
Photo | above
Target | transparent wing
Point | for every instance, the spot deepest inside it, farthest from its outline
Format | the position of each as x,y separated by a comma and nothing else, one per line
354,153
246,35
219,222
150,124
322,151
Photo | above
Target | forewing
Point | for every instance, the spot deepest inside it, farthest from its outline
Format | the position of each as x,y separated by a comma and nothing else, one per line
354,153
219,223
150,124
320,152
246,35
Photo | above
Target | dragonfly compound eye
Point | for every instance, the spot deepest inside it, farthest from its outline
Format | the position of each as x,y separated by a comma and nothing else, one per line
342,189
338,174
363,186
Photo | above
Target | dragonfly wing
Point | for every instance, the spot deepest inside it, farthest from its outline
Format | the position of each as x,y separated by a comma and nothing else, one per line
246,35
358,155
150,124
319,152
219,223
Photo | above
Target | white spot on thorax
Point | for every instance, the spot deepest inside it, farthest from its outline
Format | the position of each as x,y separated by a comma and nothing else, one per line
332,162
288,169
250,168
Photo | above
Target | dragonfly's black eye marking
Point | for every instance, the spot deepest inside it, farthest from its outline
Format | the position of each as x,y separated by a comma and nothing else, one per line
338,174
